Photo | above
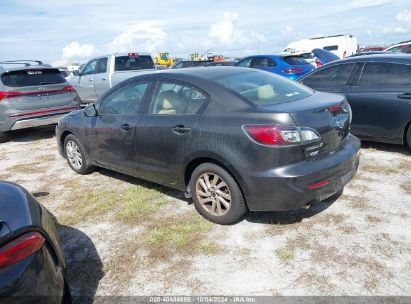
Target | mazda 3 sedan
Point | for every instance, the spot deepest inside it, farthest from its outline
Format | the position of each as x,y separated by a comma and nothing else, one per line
32,265
235,139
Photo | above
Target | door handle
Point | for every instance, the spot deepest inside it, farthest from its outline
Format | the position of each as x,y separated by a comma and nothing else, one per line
125,127
91,80
180,129
404,96
103,78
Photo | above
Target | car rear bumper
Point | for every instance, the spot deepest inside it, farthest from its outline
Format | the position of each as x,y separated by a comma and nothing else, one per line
288,187
36,121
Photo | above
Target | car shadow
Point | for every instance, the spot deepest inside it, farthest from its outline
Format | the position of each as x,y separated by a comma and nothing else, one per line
386,147
31,134
177,194
291,216
84,266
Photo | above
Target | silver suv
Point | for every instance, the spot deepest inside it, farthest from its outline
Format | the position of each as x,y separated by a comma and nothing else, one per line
32,94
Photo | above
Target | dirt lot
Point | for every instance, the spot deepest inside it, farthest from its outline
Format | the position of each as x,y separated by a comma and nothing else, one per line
123,236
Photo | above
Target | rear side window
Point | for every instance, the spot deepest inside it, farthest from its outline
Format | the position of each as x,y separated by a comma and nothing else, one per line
127,63
244,63
330,77
35,77
176,99
263,88
102,65
295,60
331,48
259,62
385,75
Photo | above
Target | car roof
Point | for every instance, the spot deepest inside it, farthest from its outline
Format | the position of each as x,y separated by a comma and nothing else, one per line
389,57
205,73
282,54
5,69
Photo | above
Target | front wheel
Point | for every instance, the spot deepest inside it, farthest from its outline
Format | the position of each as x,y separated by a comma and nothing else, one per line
216,194
3,137
76,156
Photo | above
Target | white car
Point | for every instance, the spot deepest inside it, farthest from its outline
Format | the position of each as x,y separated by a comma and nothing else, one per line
402,47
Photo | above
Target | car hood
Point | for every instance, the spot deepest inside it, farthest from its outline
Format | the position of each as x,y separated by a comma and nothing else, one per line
325,56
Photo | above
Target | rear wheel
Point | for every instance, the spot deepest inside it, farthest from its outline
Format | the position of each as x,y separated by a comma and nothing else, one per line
3,137
76,155
409,137
216,194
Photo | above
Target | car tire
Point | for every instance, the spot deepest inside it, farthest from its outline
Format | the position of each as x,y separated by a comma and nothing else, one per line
76,155
409,136
3,137
216,195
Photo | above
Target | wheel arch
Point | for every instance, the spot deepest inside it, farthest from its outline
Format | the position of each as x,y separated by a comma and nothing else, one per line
406,130
63,136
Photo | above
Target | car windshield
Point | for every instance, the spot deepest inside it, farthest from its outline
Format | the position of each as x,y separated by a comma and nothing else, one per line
126,63
263,88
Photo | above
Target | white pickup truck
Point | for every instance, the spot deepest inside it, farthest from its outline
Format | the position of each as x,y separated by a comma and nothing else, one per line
102,73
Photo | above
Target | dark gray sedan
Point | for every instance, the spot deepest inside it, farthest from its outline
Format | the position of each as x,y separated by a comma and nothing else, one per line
235,139
378,89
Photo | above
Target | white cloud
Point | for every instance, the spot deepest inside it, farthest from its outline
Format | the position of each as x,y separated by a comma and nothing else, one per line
286,30
77,50
143,36
395,30
404,16
366,3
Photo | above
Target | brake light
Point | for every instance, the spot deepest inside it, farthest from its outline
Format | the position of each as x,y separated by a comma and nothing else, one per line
20,248
69,89
6,94
9,94
335,108
293,71
132,54
280,135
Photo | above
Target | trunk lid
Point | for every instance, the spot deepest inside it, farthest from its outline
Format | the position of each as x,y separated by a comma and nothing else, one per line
328,114
325,56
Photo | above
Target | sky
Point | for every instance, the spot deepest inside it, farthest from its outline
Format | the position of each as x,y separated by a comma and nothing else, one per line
55,30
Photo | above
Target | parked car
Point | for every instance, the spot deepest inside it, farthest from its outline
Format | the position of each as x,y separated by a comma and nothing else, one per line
234,139
378,88
221,63
402,47
32,95
341,45
290,66
102,73
32,265
189,64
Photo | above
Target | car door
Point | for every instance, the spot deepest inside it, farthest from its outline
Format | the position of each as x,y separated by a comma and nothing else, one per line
263,63
167,128
101,77
381,102
332,79
113,130
85,87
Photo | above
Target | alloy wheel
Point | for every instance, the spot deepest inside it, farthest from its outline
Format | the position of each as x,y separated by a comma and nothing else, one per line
213,194
74,155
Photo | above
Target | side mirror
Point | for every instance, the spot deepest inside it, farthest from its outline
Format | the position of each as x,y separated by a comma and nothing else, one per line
76,73
90,110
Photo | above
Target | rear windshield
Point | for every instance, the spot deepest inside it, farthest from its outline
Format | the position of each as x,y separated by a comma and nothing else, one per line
263,88
127,63
295,60
35,77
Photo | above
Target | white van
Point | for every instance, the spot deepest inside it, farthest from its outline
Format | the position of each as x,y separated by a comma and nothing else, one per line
341,45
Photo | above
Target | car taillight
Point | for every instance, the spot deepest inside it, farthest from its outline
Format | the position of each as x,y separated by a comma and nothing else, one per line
280,135
318,63
293,71
9,94
69,89
20,248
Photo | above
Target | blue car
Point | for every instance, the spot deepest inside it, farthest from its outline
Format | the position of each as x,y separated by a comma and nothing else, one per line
290,66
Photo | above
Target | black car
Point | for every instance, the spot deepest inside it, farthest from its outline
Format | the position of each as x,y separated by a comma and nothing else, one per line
235,139
378,89
32,265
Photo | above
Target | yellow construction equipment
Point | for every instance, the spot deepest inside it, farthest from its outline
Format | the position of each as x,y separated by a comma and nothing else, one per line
164,59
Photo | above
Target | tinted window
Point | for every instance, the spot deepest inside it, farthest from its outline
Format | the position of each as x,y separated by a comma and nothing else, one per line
102,65
173,98
334,76
331,48
125,63
90,68
124,101
259,62
295,60
385,75
244,63
25,78
263,88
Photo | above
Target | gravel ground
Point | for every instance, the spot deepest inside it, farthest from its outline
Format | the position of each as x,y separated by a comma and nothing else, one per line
123,236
